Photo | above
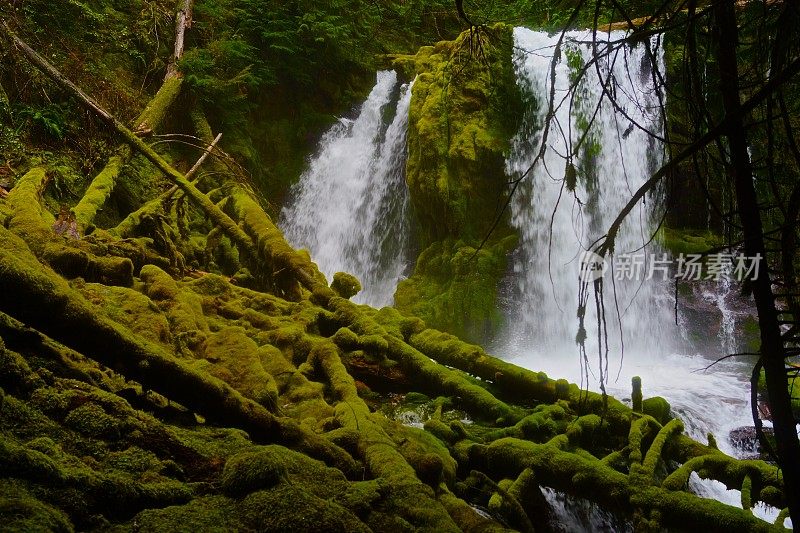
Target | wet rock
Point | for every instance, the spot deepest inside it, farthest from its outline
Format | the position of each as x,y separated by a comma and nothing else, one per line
745,441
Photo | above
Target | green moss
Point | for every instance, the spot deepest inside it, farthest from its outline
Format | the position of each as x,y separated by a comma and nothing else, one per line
215,514
345,285
91,420
688,241
463,114
454,287
130,308
636,394
100,188
28,219
654,454
183,308
425,452
235,359
248,472
658,408
71,261
24,513
514,383
290,508
155,111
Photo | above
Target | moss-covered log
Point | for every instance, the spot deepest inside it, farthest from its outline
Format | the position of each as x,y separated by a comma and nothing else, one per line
590,478
34,296
127,227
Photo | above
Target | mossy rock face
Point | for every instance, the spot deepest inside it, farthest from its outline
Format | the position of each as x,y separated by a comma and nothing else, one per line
454,287
688,241
464,112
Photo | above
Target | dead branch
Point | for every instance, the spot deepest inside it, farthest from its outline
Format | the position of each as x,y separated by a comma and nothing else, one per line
182,21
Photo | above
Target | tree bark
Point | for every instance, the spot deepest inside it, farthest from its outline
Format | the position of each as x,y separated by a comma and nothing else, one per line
772,350
183,21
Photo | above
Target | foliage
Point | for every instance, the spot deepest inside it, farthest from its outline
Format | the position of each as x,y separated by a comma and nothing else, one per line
50,120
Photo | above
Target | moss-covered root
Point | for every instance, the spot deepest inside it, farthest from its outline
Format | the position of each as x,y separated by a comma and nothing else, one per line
288,268
438,377
34,296
517,384
757,479
433,376
413,500
505,504
467,519
590,478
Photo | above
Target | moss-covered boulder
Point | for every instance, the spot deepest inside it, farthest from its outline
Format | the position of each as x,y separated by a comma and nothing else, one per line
454,287
464,110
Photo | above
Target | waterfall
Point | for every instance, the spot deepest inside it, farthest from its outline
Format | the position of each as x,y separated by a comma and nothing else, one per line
540,293
554,224
349,208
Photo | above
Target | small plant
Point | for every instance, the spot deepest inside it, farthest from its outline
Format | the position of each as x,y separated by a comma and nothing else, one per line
49,120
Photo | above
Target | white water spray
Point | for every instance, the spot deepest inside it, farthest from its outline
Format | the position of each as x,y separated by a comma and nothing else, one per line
349,208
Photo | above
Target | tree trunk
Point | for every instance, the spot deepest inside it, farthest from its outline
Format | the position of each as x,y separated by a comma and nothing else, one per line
182,21
772,354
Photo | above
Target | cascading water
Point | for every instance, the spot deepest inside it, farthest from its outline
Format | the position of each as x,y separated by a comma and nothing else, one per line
555,226
349,209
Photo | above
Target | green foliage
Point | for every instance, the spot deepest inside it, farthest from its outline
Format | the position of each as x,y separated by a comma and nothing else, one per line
50,120
222,72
